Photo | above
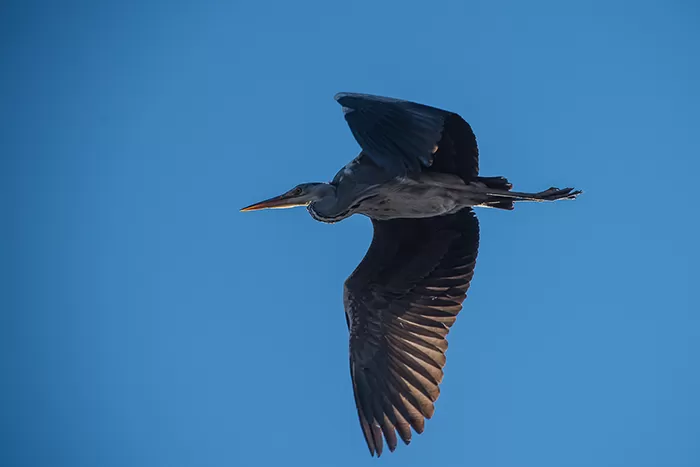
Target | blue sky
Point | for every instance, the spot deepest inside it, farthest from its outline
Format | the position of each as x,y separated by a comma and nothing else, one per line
149,323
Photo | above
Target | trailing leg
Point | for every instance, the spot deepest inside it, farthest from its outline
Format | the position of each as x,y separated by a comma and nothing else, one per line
504,199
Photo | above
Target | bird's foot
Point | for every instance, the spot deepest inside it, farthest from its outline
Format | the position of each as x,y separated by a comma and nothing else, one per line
554,193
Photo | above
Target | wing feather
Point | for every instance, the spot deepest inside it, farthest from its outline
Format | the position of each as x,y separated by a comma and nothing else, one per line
400,303
403,137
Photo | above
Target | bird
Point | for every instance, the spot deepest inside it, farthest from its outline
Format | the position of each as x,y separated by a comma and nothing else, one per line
417,179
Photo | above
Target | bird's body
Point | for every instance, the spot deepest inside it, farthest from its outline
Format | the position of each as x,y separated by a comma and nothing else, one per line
417,179
425,195
412,196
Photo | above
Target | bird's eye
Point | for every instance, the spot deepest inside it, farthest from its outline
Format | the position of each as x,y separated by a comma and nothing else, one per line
297,191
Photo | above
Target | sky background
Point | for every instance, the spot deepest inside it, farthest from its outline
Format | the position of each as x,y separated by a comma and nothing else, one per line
146,322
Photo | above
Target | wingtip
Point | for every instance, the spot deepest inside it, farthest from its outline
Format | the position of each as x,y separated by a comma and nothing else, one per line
374,452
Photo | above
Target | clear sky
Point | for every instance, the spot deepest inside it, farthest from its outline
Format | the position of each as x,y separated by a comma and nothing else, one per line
149,323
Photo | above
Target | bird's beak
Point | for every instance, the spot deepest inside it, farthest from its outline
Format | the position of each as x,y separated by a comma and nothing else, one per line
278,202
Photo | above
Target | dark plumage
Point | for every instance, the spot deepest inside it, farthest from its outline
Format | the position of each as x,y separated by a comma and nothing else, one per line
417,178
400,303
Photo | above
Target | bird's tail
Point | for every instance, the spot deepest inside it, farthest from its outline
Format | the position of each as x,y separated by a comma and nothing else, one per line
500,196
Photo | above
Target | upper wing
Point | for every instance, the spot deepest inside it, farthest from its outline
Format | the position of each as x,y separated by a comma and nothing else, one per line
400,303
402,136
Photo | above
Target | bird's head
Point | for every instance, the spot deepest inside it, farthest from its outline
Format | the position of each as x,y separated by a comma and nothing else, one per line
300,195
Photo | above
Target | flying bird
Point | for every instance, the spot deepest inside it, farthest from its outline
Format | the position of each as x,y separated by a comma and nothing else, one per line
417,179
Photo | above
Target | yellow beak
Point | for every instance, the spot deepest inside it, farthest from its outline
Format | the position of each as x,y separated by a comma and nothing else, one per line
278,202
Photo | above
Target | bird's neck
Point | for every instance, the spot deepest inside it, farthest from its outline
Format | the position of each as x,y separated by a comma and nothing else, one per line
328,208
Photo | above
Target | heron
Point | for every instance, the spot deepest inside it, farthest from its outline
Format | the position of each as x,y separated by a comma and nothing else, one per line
417,179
